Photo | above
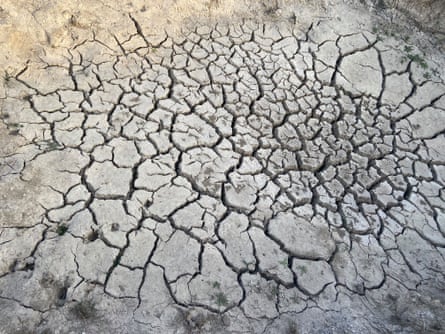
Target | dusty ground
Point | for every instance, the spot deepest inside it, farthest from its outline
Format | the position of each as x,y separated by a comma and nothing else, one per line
220,167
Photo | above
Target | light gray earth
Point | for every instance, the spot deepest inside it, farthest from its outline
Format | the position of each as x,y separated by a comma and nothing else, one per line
243,178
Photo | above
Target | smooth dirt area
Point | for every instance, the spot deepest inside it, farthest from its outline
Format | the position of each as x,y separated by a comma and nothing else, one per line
221,167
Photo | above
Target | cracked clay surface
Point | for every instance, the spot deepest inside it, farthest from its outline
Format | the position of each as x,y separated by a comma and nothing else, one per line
245,178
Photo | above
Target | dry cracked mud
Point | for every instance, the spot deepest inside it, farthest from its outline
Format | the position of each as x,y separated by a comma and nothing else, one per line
239,178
